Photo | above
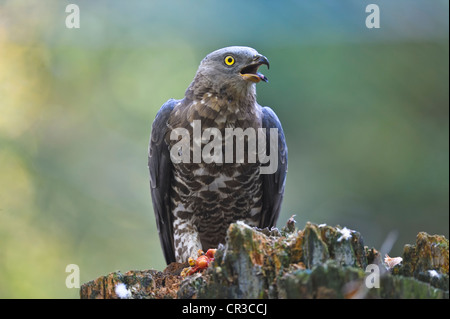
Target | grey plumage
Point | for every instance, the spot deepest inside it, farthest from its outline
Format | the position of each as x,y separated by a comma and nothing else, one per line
195,202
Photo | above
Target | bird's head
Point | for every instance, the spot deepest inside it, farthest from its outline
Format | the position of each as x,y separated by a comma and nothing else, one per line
233,66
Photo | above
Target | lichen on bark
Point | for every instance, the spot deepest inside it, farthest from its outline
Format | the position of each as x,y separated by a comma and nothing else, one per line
318,261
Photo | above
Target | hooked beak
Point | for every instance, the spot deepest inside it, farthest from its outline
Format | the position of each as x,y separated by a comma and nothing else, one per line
250,72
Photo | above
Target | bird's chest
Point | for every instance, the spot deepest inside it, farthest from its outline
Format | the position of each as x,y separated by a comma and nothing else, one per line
213,151
213,131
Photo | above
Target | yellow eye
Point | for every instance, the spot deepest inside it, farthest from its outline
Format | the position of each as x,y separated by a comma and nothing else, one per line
229,60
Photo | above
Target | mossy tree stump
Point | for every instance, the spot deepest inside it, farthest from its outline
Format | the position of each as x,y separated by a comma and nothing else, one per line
319,261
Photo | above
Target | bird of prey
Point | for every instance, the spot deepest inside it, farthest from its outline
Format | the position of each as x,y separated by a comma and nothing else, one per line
194,202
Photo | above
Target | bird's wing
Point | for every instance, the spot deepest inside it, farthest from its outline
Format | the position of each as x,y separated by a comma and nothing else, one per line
160,167
273,184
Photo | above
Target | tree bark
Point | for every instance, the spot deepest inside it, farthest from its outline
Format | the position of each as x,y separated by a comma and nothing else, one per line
319,261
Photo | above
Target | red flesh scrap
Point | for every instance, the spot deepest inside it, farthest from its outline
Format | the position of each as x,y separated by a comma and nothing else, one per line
202,261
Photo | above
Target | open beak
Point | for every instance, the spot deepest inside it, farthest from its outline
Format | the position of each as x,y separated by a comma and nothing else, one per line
250,72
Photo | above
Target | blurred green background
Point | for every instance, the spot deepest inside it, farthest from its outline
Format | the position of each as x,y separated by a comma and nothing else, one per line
365,112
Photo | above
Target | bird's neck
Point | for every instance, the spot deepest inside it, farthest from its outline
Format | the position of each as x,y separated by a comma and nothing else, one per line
223,97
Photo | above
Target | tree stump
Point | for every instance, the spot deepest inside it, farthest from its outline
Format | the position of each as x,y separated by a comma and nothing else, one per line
319,261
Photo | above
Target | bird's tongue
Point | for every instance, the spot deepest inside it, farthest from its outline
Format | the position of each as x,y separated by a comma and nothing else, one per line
263,77
255,77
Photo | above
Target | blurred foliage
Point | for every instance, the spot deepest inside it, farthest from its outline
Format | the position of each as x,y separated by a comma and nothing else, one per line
365,114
